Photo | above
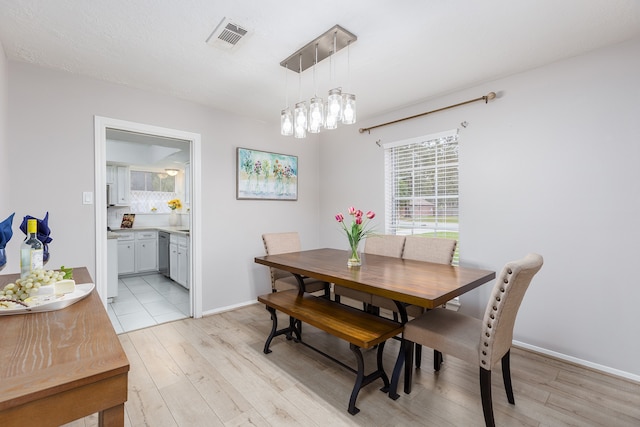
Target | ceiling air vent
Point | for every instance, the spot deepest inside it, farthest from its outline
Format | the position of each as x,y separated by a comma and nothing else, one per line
226,34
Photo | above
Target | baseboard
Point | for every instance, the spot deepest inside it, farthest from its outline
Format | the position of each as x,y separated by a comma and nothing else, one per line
577,361
229,308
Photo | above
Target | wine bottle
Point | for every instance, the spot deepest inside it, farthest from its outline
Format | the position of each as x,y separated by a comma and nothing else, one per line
31,250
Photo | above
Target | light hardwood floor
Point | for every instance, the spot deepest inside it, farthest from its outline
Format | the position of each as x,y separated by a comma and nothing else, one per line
212,372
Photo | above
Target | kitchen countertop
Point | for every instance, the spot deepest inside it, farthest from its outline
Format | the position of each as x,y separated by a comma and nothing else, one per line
113,234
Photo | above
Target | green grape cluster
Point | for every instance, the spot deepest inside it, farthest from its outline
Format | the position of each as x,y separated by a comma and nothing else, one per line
25,287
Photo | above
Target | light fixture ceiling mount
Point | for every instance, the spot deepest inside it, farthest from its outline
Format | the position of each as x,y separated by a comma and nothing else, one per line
172,172
325,45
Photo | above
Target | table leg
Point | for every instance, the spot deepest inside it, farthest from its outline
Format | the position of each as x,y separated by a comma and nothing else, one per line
405,357
112,417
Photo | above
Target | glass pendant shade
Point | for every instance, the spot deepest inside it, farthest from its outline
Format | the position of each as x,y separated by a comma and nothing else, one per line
316,115
286,122
348,108
334,108
300,120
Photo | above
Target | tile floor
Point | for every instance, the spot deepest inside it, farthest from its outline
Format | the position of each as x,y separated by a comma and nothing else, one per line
147,300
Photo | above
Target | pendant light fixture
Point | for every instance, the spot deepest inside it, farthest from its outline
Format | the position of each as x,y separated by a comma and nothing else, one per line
316,107
300,111
319,114
286,117
348,99
334,100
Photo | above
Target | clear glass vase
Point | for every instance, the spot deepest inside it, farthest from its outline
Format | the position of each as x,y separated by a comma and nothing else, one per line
354,258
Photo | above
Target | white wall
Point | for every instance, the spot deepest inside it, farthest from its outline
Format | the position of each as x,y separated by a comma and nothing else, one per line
51,126
5,209
552,166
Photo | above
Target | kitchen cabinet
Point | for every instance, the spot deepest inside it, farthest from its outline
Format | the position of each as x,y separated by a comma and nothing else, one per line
137,252
126,253
179,259
146,251
119,182
123,185
112,267
111,174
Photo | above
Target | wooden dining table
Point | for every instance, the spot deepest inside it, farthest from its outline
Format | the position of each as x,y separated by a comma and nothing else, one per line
404,281
59,366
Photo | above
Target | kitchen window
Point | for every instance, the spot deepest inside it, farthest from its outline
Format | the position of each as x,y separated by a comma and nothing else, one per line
421,180
151,190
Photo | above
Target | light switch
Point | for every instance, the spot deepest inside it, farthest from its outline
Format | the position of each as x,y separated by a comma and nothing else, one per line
87,198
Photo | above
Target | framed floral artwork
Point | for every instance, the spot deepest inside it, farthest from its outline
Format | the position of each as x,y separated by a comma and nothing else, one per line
266,176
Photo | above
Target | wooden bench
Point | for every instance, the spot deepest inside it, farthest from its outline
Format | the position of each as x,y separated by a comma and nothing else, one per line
360,329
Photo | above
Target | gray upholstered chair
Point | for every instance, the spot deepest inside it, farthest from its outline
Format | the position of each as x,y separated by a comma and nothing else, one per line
420,248
279,243
376,244
481,342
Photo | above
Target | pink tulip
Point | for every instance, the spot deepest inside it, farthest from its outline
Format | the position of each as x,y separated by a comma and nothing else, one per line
359,213
371,214
339,217
352,210
358,220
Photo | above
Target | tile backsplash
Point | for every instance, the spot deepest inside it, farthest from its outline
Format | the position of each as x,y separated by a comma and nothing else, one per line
114,218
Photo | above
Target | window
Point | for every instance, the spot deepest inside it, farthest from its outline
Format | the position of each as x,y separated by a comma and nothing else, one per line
421,195
151,190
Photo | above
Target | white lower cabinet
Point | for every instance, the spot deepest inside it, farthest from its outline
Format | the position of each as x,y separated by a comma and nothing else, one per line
112,268
126,253
179,259
137,252
146,251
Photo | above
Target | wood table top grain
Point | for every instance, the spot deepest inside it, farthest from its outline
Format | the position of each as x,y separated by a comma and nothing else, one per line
69,360
414,282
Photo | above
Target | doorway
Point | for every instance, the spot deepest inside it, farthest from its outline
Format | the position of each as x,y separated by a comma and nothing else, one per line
104,125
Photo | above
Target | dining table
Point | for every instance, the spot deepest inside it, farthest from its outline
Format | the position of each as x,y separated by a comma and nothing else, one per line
406,282
62,365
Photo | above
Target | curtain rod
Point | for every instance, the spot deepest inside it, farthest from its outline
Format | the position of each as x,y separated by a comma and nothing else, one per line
486,98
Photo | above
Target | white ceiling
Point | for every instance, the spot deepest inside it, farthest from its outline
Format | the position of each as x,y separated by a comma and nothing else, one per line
407,51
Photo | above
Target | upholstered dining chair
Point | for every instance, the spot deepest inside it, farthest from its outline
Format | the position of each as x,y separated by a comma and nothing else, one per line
481,342
376,244
420,248
279,243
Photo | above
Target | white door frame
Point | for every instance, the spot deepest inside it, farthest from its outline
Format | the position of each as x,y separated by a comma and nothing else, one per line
195,250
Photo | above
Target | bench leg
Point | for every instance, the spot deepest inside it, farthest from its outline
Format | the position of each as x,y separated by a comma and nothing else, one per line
359,379
362,379
295,327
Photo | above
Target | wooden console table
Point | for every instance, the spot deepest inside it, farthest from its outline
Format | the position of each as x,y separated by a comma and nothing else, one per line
62,365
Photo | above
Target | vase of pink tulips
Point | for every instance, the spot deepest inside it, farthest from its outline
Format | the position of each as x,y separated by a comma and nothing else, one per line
360,228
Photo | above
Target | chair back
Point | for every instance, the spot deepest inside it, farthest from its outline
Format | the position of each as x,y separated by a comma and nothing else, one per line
502,308
429,249
384,244
280,243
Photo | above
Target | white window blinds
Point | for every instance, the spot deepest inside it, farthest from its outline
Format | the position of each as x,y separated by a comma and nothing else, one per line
421,195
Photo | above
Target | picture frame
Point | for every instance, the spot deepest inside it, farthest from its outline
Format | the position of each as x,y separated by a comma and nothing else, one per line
127,220
263,175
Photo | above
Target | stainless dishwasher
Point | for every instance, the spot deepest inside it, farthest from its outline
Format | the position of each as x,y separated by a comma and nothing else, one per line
163,252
